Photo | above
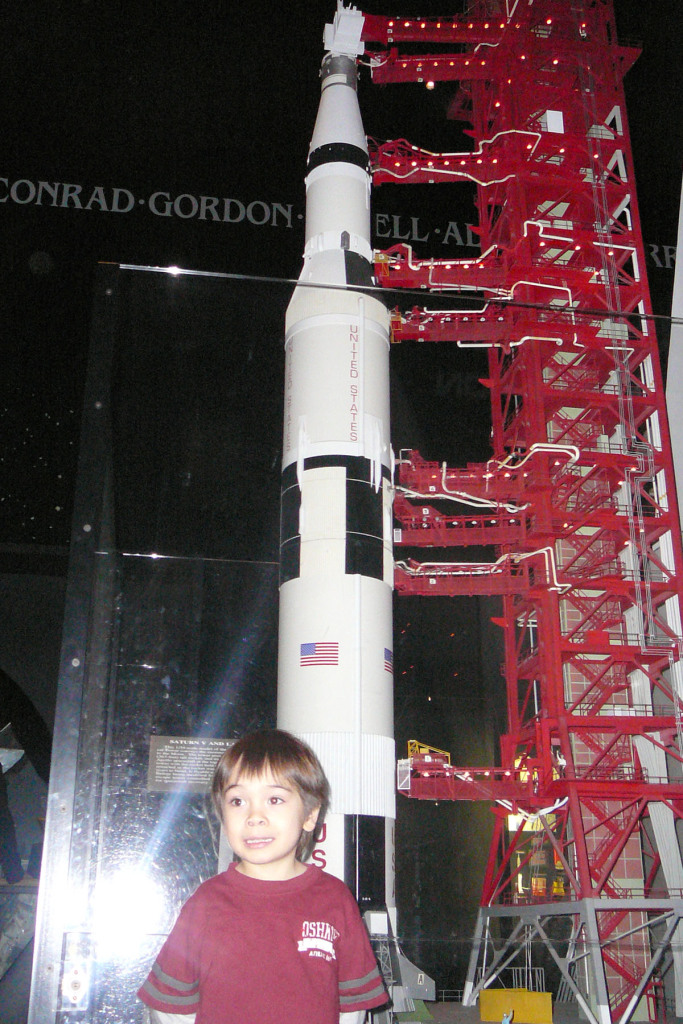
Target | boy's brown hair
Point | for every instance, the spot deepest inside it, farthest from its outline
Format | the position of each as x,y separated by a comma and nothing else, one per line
290,760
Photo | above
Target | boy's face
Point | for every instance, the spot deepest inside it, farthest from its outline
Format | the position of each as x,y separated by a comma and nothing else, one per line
263,818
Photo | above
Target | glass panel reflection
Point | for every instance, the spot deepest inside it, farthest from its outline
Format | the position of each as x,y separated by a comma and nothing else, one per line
170,637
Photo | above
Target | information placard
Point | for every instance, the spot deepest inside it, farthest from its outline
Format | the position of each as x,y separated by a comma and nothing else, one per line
182,763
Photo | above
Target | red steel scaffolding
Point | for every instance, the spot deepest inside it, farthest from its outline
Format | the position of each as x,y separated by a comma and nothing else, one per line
577,500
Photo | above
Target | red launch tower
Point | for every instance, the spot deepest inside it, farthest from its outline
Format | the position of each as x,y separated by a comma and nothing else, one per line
577,500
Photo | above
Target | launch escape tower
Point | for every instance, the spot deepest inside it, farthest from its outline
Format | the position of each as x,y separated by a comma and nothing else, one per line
577,501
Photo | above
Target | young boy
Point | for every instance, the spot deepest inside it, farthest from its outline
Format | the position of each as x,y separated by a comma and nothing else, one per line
271,940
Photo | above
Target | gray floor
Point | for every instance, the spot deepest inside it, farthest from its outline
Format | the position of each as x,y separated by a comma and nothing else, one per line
16,984
15,988
563,1013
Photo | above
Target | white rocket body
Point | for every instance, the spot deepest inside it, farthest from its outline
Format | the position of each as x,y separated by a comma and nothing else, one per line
335,671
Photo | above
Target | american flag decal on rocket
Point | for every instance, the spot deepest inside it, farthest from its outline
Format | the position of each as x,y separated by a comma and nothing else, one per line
319,654
388,661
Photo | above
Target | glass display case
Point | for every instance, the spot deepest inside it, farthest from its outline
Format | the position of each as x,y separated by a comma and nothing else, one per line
170,635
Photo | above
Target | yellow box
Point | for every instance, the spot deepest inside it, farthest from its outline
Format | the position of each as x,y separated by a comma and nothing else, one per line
529,1007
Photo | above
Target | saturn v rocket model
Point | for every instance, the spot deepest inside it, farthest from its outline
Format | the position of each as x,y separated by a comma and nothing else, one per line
335,685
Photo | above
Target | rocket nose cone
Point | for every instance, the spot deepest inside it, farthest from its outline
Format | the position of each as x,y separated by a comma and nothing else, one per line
339,119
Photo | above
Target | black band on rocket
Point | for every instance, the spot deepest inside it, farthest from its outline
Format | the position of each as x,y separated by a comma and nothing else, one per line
357,468
290,559
358,270
364,859
364,556
339,153
364,553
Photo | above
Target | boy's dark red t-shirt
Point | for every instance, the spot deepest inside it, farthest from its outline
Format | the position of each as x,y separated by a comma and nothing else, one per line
247,949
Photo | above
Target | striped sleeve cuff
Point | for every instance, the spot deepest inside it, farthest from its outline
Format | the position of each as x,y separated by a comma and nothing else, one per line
163,992
362,993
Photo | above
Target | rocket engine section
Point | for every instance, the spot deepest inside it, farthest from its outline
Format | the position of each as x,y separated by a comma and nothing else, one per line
335,685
